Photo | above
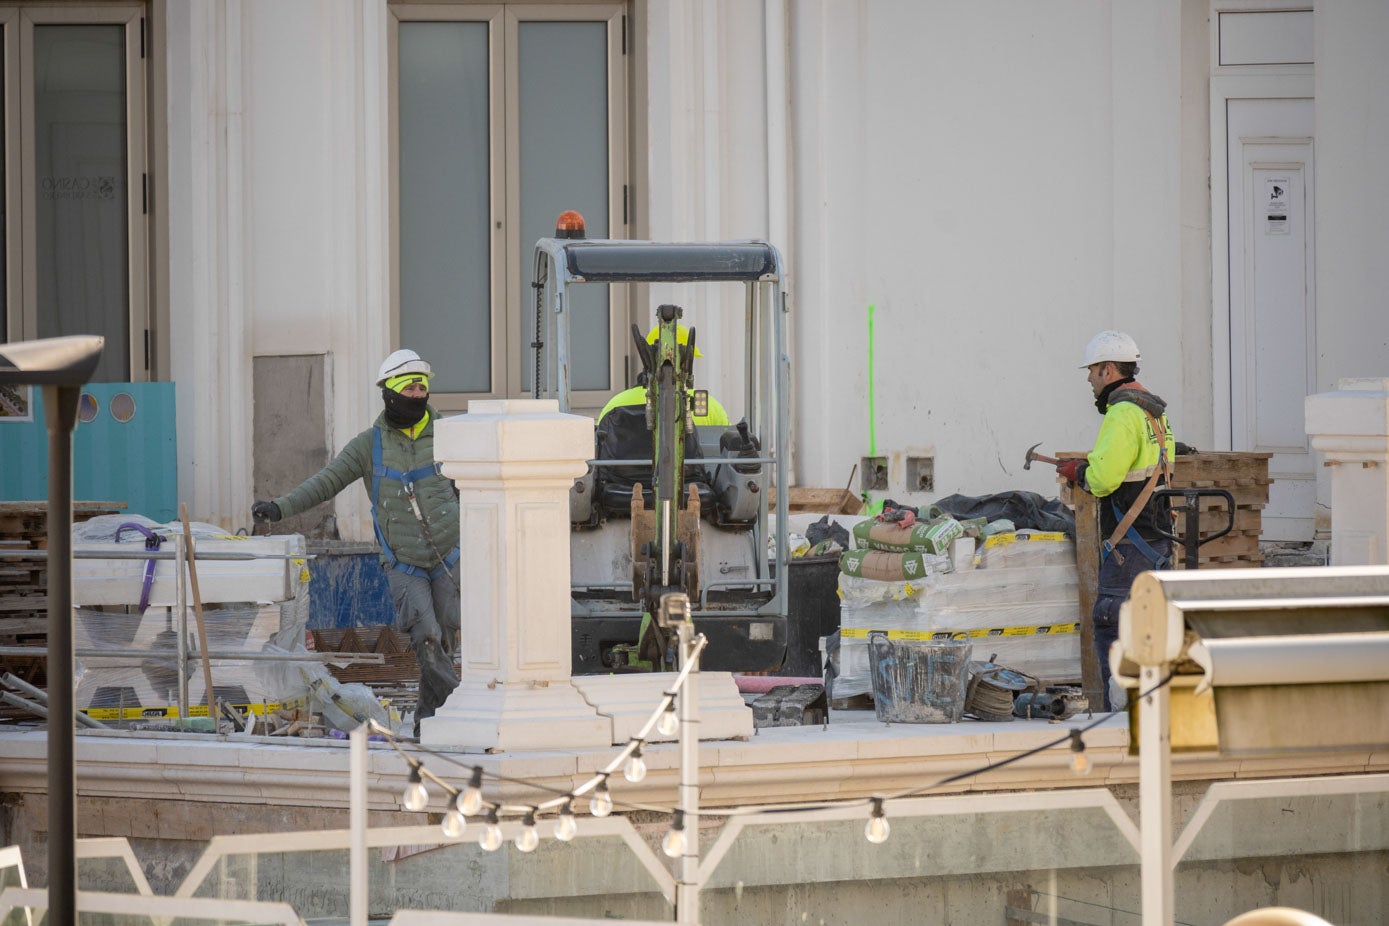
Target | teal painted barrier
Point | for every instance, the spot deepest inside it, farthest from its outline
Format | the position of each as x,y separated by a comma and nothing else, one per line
125,448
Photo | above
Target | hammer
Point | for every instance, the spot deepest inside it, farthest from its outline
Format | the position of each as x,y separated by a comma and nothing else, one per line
1032,454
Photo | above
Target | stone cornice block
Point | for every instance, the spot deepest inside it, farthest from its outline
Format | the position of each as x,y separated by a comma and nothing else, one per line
522,438
1358,408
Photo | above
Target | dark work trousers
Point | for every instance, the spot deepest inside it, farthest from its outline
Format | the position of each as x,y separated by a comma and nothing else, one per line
428,610
1116,580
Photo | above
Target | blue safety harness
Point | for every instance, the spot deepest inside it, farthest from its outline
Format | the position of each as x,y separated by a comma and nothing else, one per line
1132,536
379,471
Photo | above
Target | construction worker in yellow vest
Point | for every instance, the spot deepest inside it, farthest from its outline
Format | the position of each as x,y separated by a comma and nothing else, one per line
637,394
1131,459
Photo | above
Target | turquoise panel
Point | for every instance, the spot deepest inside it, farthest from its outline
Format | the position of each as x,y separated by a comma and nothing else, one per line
125,450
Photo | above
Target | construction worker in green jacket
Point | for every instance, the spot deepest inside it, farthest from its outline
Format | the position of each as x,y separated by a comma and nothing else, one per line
415,513
1131,459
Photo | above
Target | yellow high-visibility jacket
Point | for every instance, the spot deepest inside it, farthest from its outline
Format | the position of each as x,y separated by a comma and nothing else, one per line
1126,453
637,396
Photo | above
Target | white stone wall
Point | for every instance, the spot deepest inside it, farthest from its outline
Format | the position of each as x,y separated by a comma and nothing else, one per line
1000,180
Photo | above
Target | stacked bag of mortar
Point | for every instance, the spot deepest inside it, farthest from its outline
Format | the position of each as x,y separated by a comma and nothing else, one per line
919,576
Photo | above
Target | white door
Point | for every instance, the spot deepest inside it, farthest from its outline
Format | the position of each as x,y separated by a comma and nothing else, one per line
1273,301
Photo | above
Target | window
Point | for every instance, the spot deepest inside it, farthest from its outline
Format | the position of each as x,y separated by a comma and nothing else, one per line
503,116
74,232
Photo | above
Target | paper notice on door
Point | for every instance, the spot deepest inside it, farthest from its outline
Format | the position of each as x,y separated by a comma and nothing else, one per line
1277,193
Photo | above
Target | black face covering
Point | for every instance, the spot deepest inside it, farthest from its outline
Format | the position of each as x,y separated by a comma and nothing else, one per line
403,411
1102,400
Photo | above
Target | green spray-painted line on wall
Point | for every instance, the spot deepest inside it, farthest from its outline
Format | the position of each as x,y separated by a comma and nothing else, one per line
872,416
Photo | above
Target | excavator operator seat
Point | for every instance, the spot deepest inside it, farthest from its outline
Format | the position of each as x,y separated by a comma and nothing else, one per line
622,435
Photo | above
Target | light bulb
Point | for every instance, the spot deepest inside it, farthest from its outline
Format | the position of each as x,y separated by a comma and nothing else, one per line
416,794
565,826
528,838
636,767
491,836
601,804
1080,762
454,823
669,722
673,845
877,829
470,801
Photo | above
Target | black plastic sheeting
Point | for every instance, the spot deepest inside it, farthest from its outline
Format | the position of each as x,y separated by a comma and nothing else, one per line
1027,510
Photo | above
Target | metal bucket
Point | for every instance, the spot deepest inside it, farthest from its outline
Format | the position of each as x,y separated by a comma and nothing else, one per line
918,681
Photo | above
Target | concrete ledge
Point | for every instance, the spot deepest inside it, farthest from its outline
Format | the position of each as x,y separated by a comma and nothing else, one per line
855,757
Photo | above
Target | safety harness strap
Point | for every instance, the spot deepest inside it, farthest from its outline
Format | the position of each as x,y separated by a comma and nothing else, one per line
381,471
152,543
1125,527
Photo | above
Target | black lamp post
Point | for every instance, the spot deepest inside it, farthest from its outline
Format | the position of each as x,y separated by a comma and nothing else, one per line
61,366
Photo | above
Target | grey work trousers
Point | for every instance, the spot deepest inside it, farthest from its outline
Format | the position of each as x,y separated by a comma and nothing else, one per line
428,609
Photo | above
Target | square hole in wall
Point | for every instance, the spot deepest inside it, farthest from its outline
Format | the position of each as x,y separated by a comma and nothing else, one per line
874,470
921,474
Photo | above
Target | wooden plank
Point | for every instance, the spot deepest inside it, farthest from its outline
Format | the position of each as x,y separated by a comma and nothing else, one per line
1088,581
809,498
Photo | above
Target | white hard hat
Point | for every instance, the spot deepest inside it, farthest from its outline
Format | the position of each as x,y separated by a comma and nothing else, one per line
400,363
1110,345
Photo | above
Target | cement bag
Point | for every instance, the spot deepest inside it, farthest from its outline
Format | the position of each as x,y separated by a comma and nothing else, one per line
892,567
928,537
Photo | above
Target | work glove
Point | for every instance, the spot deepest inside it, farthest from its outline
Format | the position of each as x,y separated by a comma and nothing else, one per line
1073,470
266,511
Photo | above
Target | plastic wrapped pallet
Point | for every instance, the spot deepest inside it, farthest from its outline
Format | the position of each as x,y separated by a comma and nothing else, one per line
1027,548
125,686
1029,615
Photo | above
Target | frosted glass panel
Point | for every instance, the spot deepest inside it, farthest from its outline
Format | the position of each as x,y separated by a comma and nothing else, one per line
4,208
563,70
445,286
82,245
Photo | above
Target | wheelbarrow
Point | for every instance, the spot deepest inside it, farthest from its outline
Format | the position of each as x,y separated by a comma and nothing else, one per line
1191,539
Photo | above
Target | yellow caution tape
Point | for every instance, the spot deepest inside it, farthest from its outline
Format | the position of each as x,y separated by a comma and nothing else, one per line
1038,630
194,710
998,540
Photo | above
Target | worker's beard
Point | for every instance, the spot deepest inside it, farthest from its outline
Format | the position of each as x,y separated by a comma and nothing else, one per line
1102,400
403,411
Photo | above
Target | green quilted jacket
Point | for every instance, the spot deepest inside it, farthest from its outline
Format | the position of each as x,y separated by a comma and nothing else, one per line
395,519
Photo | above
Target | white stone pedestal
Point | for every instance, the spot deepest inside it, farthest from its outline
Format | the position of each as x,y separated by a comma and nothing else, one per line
515,461
1351,428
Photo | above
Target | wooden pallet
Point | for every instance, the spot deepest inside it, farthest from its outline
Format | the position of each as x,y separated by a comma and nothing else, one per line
1245,477
398,671
24,582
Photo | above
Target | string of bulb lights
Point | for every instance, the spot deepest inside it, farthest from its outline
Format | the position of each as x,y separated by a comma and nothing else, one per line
469,801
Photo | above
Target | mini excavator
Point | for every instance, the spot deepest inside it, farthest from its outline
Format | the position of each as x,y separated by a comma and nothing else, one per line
668,504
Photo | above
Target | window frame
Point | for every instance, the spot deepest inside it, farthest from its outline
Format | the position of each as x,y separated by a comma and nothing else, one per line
21,285
512,303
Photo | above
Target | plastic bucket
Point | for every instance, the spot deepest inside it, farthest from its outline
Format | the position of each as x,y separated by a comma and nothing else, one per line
918,681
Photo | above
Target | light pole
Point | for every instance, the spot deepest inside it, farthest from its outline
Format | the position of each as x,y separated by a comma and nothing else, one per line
61,366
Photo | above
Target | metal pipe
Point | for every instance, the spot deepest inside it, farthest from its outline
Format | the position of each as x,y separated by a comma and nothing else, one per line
358,890
24,704
181,551
687,887
373,659
41,696
152,554
60,414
